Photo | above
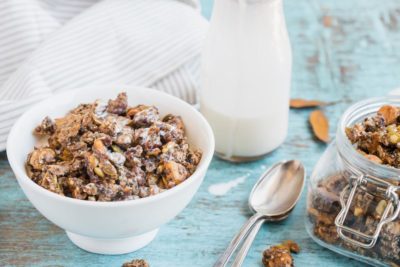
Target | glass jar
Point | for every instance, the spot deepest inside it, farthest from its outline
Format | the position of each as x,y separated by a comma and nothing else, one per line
353,203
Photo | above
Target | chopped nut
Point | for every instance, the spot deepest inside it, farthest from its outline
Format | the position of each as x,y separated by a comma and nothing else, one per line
99,172
173,174
389,113
116,148
133,111
394,138
99,147
108,169
320,125
40,157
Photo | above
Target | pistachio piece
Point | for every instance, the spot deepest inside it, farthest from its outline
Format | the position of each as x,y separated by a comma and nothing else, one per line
394,138
116,148
108,169
99,172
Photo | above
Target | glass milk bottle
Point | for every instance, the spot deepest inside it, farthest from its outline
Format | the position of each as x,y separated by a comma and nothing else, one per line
246,72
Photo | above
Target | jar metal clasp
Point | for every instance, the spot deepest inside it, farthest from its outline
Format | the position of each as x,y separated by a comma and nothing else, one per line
391,212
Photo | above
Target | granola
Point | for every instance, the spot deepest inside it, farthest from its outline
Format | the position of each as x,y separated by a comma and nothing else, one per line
364,215
136,263
378,136
280,255
109,151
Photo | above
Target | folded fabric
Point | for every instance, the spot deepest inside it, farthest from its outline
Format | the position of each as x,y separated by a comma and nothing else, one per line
62,45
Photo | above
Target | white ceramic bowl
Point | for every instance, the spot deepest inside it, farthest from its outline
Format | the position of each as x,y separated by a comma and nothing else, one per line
109,227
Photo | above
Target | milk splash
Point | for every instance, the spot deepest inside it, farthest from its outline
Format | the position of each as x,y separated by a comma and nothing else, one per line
221,189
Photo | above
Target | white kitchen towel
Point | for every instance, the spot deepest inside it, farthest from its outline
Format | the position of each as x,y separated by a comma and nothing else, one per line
48,46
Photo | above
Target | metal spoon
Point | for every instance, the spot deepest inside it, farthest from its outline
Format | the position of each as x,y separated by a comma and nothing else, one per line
272,198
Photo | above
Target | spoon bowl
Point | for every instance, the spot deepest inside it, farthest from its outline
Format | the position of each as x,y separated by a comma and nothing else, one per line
278,189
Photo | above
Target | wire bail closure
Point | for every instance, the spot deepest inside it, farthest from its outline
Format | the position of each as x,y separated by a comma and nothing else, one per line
388,191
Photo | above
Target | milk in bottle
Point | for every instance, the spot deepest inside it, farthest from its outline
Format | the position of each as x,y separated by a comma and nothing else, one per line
246,72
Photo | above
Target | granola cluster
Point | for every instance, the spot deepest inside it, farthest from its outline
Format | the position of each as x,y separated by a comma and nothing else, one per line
378,137
364,215
280,255
136,263
109,151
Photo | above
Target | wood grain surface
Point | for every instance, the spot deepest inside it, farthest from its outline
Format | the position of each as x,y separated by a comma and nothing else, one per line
344,51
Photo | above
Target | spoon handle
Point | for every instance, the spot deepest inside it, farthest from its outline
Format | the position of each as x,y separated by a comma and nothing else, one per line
241,255
224,258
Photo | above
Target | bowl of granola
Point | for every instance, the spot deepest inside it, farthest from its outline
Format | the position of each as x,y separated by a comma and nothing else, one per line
110,168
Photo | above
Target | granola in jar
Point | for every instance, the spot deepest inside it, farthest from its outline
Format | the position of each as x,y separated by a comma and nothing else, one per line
110,151
353,205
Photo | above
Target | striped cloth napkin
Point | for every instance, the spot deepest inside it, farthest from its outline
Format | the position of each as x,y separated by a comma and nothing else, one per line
48,46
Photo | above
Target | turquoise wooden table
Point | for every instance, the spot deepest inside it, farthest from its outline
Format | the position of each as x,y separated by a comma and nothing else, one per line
343,51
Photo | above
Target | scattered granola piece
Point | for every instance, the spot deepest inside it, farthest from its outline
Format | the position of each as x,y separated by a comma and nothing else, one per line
136,263
277,256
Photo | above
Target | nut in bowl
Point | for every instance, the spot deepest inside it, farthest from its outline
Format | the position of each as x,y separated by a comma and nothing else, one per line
110,225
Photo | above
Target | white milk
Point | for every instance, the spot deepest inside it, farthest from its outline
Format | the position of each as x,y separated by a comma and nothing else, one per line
246,71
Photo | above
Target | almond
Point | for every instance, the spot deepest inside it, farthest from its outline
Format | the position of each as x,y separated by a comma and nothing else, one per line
304,103
389,113
320,125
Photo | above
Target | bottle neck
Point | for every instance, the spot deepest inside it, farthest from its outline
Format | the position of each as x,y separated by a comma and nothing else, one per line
222,6
249,14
